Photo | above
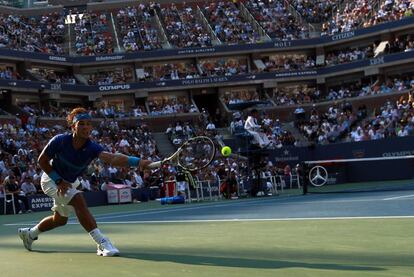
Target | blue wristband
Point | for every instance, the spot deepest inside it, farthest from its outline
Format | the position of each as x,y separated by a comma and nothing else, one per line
133,161
54,176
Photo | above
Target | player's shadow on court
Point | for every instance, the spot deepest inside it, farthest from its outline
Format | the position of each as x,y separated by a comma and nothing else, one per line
74,251
242,262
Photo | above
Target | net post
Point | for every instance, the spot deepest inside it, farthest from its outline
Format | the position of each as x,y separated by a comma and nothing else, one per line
305,173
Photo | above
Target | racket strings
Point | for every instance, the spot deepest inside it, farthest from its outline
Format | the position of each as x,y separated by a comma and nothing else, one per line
197,154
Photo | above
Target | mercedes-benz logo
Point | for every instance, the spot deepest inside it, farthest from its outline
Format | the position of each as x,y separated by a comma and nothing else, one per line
318,176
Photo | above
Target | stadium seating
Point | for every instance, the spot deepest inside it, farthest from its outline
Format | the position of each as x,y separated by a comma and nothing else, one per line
196,64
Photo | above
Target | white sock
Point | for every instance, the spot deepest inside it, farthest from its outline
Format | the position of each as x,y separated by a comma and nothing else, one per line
96,235
34,232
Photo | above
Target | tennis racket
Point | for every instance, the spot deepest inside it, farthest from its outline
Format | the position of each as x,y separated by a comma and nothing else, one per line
195,154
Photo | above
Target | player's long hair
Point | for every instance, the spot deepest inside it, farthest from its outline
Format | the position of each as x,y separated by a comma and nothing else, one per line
73,113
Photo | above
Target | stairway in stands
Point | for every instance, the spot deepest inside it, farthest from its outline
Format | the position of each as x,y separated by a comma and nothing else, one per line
164,145
290,126
11,109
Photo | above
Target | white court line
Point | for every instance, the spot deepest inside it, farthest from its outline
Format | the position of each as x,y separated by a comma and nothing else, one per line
236,220
399,197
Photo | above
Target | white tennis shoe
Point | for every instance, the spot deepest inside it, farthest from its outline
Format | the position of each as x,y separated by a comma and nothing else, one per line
24,234
106,249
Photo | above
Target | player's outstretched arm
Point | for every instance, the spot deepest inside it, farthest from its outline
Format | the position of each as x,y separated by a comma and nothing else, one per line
121,160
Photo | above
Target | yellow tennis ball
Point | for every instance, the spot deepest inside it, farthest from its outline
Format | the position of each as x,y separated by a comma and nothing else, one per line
226,151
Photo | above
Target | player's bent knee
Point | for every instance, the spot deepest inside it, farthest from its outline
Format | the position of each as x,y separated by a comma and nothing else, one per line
78,201
59,220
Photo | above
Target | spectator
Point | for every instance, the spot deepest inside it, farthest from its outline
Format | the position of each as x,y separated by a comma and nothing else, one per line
228,23
11,186
85,185
210,126
183,28
254,129
28,188
229,186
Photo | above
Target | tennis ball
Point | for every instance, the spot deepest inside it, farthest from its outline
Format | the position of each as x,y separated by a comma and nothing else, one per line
226,151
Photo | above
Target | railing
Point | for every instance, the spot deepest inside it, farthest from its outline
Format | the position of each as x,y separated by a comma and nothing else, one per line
215,40
375,4
298,17
163,36
115,35
246,13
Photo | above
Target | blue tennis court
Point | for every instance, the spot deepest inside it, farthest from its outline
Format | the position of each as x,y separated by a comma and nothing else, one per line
297,207
346,234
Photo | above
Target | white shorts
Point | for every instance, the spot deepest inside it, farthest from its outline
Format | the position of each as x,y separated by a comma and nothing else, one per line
60,201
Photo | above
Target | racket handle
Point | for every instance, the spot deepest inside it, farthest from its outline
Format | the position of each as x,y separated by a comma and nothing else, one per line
155,165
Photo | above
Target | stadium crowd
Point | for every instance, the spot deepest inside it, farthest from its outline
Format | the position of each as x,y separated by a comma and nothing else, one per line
92,34
223,67
217,66
9,73
53,76
278,22
241,96
392,119
316,11
288,62
362,14
170,71
326,127
33,34
307,94
399,44
137,28
170,105
21,142
184,28
119,76
228,23
342,121
156,106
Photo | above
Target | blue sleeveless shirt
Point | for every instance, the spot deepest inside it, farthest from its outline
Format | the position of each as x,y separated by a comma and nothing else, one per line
67,161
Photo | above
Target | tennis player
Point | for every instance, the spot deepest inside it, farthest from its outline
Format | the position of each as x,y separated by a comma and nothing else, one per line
63,160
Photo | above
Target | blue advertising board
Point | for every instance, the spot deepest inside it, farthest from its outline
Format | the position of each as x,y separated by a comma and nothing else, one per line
219,80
